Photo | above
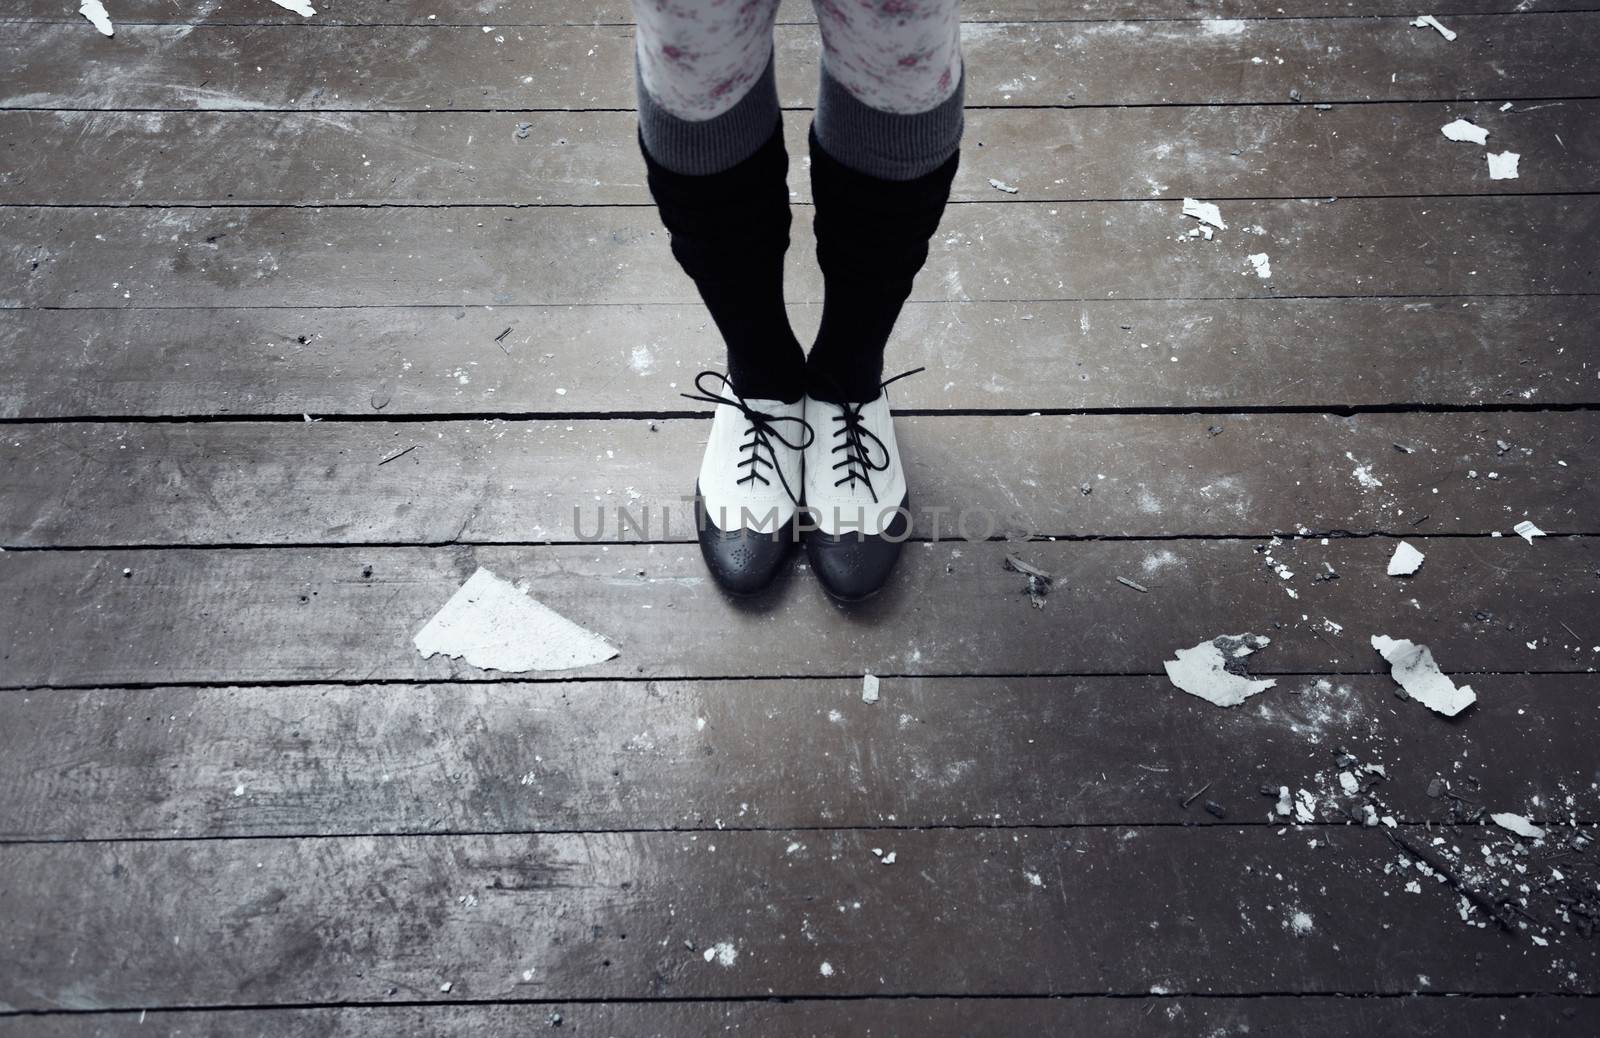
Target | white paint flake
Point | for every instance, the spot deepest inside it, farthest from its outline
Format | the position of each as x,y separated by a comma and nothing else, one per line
1517,824
1262,265
1001,185
1428,21
1527,531
1412,665
1405,561
493,625
1205,212
869,688
826,969
1301,924
95,11
1202,670
1503,165
299,7
722,953
1466,132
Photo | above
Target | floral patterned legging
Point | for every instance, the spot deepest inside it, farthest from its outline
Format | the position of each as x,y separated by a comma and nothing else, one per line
699,57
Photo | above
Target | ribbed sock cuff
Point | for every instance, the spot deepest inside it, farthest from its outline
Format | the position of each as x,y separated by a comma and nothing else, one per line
887,145
701,147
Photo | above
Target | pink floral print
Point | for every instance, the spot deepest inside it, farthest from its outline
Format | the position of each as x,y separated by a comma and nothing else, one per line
699,57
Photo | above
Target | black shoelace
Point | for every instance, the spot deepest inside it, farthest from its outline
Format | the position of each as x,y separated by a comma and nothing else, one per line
856,443
762,431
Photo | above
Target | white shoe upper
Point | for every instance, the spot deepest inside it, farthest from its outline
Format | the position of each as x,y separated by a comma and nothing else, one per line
854,481
750,474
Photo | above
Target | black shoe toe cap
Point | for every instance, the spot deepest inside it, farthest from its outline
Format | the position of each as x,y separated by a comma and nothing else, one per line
852,567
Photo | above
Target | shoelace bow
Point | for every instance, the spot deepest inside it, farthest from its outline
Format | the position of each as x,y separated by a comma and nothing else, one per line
763,430
858,463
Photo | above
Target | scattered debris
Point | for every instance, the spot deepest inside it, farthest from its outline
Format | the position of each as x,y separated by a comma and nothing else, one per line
1412,665
1205,212
1517,824
1262,265
1405,561
95,11
826,969
1214,670
1363,474
1460,885
1039,583
1192,797
869,688
1503,165
1527,531
1125,582
493,625
522,131
446,986
1466,132
1428,21
1000,185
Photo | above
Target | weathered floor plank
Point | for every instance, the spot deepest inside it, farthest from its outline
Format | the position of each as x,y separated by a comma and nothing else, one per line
330,760
1291,1017
590,158
559,481
508,13
1016,356
998,252
1227,911
1517,56
223,615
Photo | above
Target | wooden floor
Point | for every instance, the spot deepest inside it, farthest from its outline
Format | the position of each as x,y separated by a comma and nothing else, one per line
248,257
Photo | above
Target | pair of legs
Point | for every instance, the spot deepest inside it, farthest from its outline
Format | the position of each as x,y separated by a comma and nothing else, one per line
883,147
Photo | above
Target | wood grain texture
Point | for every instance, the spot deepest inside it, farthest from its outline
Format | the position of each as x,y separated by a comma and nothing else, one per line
1238,475
591,158
394,759
629,915
1518,56
1007,252
635,360
503,13
1292,1017
193,615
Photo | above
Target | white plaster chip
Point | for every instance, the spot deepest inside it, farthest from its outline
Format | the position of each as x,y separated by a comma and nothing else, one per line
1412,665
299,7
1466,132
95,11
1405,561
1428,21
1205,212
1517,824
1503,165
493,625
1202,670
869,688
1262,265
1527,531
1001,185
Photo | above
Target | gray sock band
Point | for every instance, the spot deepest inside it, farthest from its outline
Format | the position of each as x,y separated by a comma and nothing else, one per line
887,145
701,147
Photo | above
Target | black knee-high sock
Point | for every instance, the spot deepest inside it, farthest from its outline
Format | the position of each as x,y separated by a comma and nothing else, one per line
872,238
730,230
